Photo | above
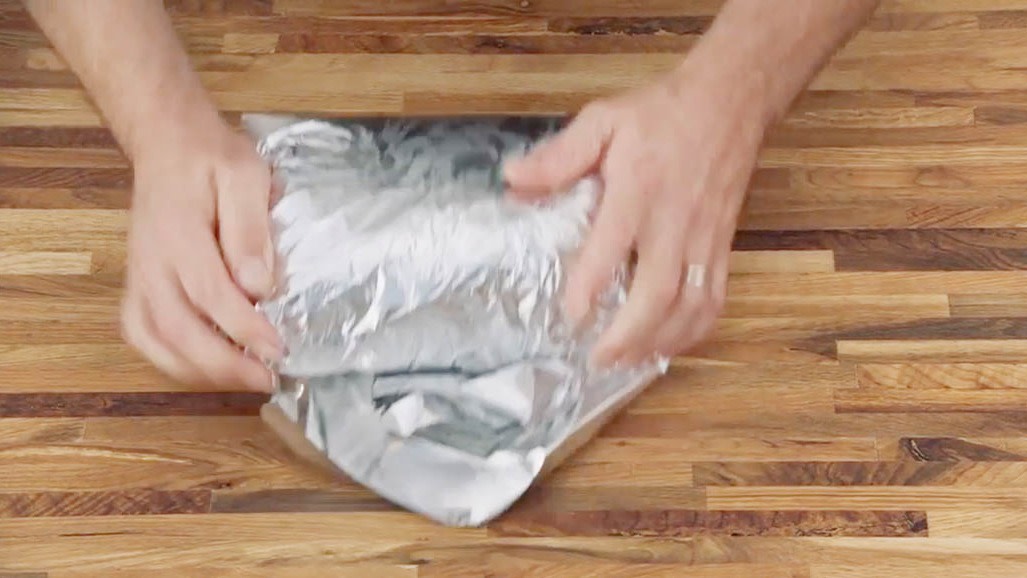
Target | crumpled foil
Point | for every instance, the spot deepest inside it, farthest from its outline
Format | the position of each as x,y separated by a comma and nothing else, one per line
427,355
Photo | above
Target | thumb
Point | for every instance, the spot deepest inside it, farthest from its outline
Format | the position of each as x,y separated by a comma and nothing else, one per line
568,156
244,225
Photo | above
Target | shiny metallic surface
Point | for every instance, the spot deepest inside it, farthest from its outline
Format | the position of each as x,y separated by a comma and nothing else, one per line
428,357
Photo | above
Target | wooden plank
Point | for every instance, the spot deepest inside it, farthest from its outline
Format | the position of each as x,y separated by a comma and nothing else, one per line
949,351
15,431
877,309
298,570
841,474
946,449
45,263
865,498
173,541
118,503
904,250
699,446
989,523
95,404
63,198
979,305
916,401
688,523
782,262
942,376
879,283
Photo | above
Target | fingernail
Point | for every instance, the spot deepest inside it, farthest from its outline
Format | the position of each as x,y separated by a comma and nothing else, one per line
263,384
254,276
269,350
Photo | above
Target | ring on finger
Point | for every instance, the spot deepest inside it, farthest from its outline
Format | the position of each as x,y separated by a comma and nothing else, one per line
695,276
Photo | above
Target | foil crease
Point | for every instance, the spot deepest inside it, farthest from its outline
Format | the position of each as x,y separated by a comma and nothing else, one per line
427,356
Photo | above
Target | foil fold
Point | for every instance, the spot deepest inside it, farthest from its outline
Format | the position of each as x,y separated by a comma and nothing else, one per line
427,354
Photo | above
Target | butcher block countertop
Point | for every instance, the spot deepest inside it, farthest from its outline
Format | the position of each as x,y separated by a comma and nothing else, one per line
861,412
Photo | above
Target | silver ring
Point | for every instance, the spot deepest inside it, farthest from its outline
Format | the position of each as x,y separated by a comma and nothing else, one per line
696,276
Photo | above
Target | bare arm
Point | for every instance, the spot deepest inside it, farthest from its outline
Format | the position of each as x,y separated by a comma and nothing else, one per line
675,158
131,63
199,242
774,49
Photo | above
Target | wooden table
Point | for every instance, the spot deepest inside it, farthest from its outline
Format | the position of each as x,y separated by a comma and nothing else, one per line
861,413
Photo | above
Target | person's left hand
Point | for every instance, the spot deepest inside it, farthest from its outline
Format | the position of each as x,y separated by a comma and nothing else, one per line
675,159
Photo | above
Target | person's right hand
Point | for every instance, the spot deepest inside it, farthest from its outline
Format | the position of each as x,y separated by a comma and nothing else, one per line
200,253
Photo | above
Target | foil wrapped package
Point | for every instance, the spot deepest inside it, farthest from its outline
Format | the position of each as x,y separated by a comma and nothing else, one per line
427,355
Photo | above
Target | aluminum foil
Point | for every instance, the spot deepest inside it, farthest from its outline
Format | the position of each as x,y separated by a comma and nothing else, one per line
427,354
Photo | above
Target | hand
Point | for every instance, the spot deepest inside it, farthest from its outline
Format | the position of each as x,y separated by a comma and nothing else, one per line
199,253
675,159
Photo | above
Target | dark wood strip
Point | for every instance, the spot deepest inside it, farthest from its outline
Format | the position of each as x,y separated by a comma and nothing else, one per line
220,7
307,42
923,21
631,25
116,503
355,499
85,198
954,449
999,115
844,474
552,8
903,250
959,328
21,33
691,523
199,28
771,423
60,137
552,498
23,574
25,78
1003,19
73,286
43,177
930,401
101,404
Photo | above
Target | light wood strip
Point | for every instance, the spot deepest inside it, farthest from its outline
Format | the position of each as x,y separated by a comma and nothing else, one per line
782,262
943,376
45,263
948,351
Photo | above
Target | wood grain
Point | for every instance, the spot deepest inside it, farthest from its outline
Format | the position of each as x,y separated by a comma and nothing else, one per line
860,411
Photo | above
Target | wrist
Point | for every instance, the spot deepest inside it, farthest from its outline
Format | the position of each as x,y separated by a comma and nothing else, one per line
171,124
740,92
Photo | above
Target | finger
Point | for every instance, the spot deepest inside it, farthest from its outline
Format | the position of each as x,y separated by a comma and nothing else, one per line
696,314
210,289
655,288
606,247
244,225
139,331
188,335
565,158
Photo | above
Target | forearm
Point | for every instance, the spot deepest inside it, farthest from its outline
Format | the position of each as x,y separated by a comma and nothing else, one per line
768,52
129,59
